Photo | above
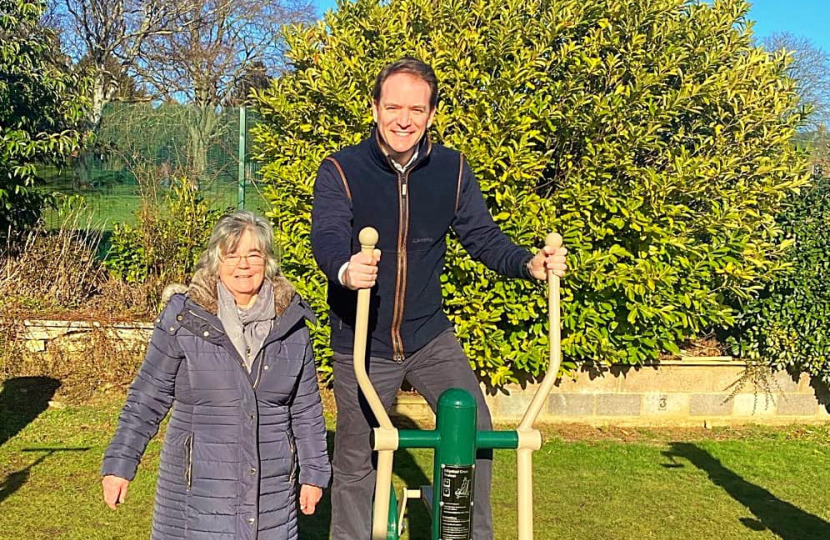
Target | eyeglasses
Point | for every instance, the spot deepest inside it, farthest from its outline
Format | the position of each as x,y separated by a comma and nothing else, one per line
254,259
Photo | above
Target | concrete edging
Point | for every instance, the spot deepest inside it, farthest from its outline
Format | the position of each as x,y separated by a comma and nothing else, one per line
687,391
693,391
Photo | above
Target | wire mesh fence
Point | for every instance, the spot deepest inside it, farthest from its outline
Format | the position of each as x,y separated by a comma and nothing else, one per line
142,148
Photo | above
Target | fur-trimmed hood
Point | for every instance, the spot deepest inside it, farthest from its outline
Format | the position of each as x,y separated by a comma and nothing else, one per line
202,291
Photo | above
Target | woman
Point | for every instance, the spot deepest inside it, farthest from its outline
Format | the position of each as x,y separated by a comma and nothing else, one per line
231,354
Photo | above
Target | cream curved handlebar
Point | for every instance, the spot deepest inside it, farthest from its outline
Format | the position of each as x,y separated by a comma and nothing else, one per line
555,241
524,455
368,240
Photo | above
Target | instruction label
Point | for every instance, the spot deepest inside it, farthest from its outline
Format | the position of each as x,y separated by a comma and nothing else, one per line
456,518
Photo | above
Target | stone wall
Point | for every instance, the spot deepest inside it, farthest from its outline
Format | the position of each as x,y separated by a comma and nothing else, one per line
697,391
693,391
40,334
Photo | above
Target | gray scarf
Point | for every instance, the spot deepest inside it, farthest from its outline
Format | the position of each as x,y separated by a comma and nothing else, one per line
247,328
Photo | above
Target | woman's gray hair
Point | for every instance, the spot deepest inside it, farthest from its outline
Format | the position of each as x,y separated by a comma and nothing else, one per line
225,238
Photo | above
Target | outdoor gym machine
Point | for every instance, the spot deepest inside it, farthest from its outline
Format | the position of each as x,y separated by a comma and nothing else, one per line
455,439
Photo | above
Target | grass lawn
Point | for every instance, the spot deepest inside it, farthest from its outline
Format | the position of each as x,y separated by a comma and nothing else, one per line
114,196
748,483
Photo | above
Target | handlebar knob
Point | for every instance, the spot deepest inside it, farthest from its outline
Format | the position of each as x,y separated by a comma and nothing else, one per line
368,238
553,240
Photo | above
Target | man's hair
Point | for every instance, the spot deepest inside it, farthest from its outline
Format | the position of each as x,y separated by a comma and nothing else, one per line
411,66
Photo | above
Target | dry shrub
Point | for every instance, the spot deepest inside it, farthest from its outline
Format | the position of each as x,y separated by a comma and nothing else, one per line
54,269
57,275
84,361
11,331
120,301
99,359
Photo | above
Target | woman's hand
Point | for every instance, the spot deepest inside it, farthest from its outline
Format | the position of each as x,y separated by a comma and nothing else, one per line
309,497
115,490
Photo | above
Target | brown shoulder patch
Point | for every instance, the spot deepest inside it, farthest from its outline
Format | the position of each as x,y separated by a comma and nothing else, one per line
342,176
458,188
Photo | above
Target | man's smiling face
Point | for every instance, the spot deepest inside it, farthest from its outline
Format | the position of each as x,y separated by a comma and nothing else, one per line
403,114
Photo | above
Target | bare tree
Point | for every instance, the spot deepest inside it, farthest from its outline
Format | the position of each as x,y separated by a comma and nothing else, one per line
810,67
191,51
216,47
106,38
109,37
217,43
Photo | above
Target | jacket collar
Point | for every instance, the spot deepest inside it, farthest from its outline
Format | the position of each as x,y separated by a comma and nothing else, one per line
384,161
202,296
202,291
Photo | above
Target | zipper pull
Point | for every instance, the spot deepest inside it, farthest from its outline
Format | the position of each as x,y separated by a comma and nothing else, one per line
403,190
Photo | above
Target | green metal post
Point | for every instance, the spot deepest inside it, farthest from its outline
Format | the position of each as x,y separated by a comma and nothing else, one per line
243,132
454,474
416,438
392,530
497,439
455,440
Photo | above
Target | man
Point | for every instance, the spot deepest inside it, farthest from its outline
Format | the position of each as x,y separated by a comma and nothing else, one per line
412,192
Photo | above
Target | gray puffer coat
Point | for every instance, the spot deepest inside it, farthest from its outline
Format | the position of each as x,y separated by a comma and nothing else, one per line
237,442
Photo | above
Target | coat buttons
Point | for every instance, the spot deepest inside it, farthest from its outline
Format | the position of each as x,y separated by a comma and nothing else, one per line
206,333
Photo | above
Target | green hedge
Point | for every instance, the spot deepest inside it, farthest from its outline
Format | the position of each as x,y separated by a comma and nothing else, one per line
650,133
788,325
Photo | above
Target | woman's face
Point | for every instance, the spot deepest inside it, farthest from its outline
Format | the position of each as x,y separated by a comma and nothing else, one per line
242,270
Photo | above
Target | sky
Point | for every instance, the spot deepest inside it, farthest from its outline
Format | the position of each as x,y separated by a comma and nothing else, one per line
807,18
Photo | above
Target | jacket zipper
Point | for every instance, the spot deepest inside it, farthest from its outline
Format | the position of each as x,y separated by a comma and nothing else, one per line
188,473
292,447
259,367
400,285
403,233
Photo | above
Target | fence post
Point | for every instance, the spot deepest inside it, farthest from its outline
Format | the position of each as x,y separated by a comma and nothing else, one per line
240,198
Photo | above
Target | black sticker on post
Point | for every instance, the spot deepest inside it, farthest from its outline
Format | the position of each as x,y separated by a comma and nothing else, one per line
455,520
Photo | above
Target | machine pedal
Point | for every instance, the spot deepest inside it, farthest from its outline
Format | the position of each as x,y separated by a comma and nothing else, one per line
426,498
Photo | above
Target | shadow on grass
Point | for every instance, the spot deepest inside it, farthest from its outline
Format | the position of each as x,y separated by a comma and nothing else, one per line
21,401
17,480
318,526
780,517
418,519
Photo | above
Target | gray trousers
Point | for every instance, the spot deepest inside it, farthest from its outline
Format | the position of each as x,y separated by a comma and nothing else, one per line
438,366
